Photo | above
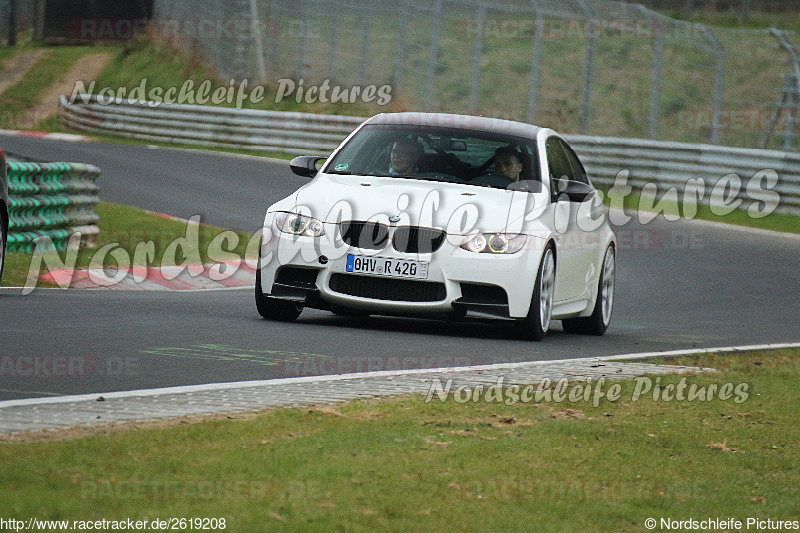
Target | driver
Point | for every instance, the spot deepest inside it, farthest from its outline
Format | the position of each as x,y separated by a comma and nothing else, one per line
404,157
508,162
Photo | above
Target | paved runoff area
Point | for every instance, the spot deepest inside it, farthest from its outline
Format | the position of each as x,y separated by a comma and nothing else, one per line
57,413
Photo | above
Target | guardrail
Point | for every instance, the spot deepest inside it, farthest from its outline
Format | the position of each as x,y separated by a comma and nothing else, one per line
669,164
215,127
53,200
666,164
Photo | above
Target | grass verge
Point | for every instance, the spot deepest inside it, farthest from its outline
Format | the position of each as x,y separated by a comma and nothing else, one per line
781,222
19,99
126,227
404,465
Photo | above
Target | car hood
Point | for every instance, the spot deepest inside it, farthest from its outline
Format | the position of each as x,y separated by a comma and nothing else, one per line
457,208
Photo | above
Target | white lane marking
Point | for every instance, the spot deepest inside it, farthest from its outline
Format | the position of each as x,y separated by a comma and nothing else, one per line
380,373
31,392
70,137
224,154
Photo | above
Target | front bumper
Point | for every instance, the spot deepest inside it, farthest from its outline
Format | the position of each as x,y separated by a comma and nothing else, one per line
311,271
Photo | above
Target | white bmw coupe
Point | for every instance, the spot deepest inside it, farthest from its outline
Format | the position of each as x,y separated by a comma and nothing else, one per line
452,216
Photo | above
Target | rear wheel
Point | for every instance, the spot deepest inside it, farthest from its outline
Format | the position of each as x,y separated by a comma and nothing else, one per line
598,322
272,308
535,325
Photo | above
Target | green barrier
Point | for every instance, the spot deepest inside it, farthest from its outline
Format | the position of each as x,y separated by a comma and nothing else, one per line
52,200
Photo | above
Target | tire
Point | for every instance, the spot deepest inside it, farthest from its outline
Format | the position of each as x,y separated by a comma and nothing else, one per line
273,308
535,326
598,322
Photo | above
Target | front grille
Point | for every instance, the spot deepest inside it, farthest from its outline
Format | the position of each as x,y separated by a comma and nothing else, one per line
364,235
415,240
395,290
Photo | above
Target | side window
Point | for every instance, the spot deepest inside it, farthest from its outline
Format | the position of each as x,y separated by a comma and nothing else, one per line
557,163
578,172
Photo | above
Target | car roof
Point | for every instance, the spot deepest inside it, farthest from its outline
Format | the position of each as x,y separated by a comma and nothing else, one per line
468,122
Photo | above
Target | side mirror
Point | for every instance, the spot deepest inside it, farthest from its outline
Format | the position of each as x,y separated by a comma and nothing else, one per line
307,165
575,191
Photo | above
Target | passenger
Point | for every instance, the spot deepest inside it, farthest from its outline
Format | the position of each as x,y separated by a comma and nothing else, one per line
508,162
405,157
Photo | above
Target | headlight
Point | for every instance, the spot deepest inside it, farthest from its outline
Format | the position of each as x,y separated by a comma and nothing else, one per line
495,243
299,224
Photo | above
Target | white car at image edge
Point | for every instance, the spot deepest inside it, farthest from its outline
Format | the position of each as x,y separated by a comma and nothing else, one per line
447,216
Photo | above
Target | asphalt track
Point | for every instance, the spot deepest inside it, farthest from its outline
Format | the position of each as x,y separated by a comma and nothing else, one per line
682,284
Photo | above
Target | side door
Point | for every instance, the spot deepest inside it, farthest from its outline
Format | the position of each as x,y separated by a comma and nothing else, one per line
588,238
574,263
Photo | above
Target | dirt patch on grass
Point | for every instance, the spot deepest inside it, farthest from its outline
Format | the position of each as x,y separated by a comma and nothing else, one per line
79,432
18,66
723,446
85,69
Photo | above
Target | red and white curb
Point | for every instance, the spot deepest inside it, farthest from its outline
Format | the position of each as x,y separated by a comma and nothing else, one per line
71,137
217,276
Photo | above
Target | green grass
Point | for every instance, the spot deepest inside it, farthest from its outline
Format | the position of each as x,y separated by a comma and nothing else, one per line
781,222
621,88
20,98
127,227
166,67
732,18
6,53
403,465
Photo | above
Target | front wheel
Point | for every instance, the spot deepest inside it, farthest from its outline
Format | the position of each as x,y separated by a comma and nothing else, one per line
273,308
534,326
598,322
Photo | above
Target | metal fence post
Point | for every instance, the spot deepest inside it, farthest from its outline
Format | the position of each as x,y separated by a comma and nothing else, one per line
655,77
719,81
334,14
259,44
688,9
274,35
536,59
789,99
477,52
365,29
300,71
402,15
746,11
242,63
792,102
434,55
12,23
587,84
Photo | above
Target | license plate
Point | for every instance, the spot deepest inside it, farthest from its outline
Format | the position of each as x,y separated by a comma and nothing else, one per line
383,266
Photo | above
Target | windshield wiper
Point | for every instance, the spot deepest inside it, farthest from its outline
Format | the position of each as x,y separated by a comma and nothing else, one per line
340,172
442,179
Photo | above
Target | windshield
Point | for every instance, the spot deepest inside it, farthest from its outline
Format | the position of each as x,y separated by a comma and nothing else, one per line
439,154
